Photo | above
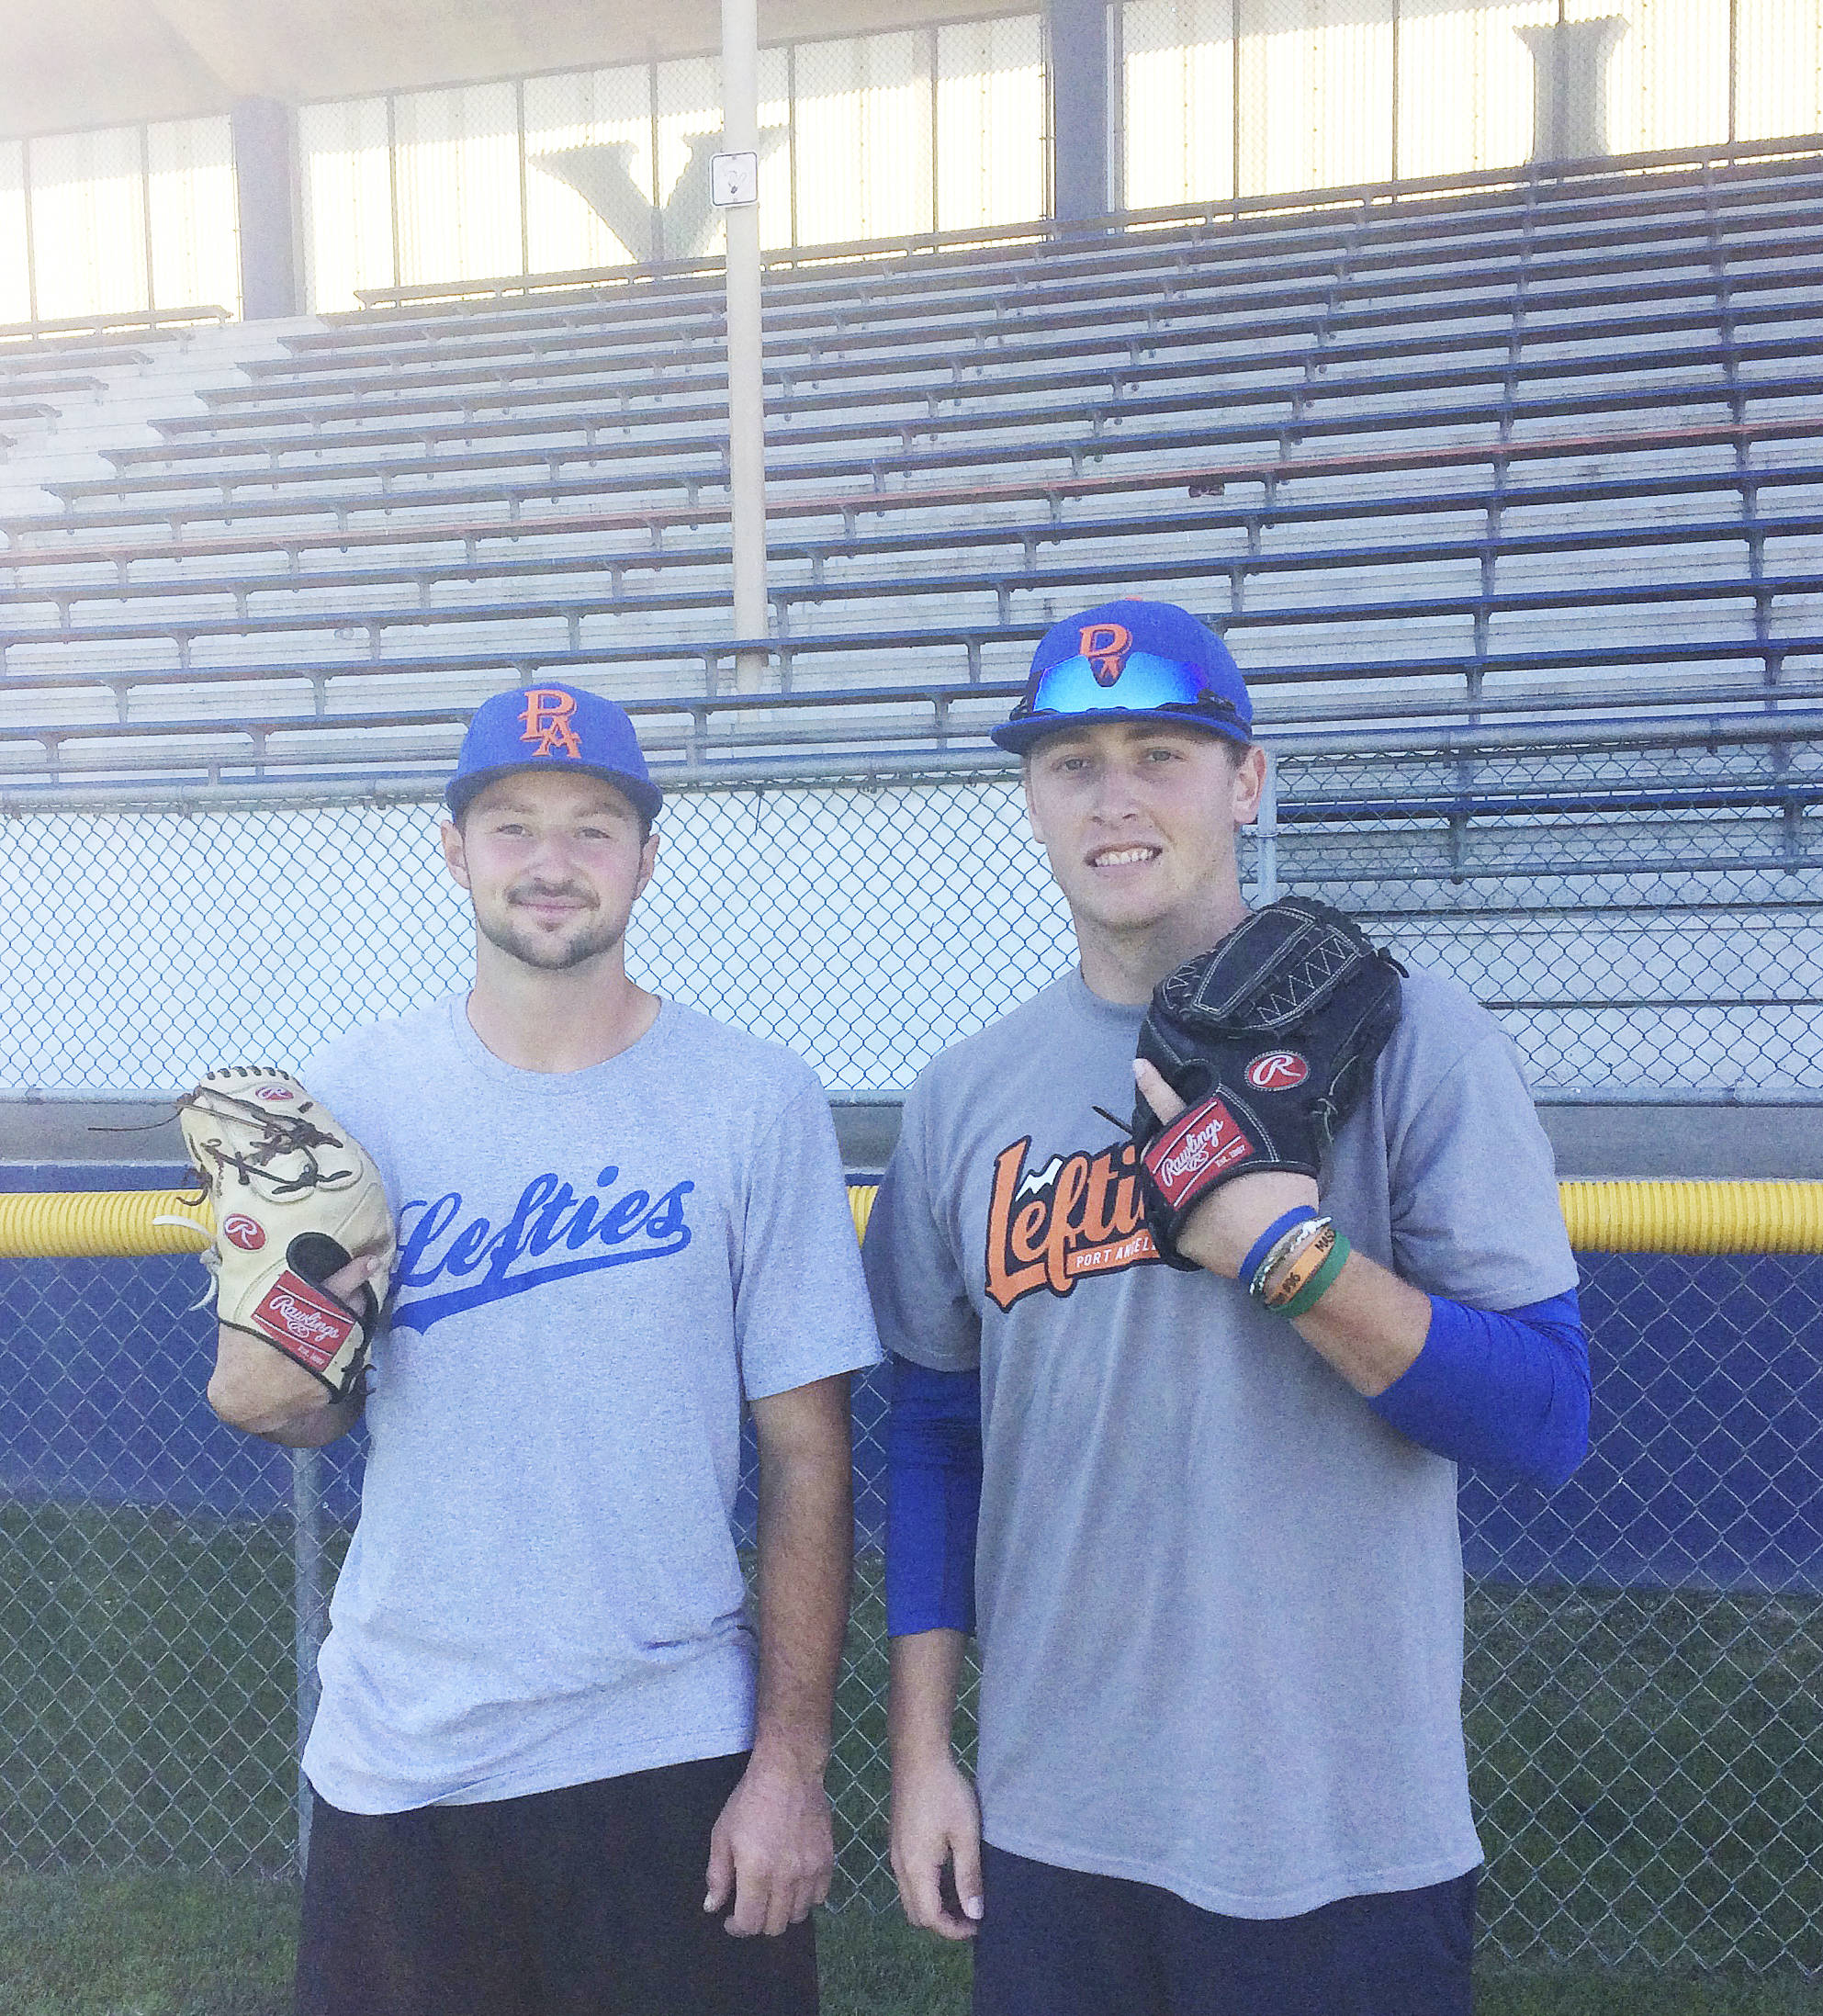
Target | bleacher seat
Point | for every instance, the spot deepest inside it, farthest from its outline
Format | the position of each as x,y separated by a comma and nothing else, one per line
1523,451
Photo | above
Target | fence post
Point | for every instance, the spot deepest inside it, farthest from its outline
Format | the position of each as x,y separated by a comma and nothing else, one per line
747,373
308,1612
1265,836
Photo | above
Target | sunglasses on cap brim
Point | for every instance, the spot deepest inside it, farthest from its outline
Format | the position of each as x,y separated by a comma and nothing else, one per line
1143,685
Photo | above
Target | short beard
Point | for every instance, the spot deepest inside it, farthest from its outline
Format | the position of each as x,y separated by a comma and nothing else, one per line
563,957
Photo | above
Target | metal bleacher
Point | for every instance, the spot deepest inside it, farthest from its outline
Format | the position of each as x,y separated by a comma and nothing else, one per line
1535,450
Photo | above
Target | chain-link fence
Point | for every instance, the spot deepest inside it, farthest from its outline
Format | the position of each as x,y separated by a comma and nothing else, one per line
1644,1648
1637,917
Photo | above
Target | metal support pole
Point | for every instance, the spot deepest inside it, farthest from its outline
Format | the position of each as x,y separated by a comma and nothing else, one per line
1079,177
1265,837
747,379
266,198
309,1613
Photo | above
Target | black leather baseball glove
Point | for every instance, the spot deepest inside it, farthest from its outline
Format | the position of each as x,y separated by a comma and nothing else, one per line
1270,1040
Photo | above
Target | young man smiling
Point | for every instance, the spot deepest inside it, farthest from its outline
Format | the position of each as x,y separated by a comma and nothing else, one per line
1212,1553
548,1781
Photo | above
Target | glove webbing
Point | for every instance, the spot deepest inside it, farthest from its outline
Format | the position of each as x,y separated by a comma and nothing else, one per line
289,1133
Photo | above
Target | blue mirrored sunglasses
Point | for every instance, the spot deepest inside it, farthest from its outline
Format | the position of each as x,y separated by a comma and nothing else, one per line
1146,682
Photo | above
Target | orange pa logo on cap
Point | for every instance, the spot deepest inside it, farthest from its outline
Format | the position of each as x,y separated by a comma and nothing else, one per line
1106,645
546,722
552,727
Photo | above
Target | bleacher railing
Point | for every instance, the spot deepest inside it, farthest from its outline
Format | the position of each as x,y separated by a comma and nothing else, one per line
1617,180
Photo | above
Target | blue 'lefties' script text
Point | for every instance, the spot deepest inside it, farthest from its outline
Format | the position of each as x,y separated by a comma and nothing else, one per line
436,1244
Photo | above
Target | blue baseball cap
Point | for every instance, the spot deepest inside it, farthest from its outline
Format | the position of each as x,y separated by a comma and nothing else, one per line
1123,661
552,727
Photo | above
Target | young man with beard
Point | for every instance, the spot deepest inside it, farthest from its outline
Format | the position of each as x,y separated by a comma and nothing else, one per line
548,1781
1217,1579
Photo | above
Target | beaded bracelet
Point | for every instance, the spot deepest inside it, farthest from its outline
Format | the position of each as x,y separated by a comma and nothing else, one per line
1288,1269
1320,1282
1260,1254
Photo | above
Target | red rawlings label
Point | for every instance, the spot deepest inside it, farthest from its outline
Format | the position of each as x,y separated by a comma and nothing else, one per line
1278,1071
303,1321
275,1095
238,1230
1197,1145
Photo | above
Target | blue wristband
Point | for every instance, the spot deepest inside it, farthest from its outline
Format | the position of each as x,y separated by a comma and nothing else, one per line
1261,1246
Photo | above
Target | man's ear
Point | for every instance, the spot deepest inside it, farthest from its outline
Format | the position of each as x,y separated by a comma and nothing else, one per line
1249,782
649,860
1031,812
455,857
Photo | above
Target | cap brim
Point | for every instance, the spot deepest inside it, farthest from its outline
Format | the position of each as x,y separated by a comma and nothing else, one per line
640,793
1020,735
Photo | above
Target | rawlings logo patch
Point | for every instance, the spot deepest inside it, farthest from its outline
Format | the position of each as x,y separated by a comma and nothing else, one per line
276,1094
1278,1071
1197,1145
238,1230
305,1320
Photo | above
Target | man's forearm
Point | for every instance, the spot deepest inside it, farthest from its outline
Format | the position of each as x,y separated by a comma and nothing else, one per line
1507,1389
806,1549
259,1389
1371,1325
927,1671
936,1814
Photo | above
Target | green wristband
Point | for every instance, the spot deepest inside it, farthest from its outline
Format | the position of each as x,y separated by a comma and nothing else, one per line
1318,1285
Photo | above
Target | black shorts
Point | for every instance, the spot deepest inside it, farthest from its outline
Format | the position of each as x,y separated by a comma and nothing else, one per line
1058,1942
586,1902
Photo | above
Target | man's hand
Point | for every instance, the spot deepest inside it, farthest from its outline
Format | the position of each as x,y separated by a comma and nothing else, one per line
937,1825
1370,1326
1221,1229
771,1850
259,1389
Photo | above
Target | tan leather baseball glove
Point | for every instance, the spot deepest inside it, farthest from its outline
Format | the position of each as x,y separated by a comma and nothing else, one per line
295,1199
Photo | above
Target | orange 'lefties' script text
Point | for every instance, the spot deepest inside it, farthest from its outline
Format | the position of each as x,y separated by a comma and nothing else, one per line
1048,1229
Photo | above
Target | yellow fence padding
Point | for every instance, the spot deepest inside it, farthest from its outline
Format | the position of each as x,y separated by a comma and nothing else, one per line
1772,1217
1649,1217
83,1224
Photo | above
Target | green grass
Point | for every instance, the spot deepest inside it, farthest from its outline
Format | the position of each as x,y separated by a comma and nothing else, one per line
1648,1768
145,1945
145,1689
169,1945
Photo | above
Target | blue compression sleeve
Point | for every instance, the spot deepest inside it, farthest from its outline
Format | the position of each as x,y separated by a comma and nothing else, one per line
1509,1392
933,1499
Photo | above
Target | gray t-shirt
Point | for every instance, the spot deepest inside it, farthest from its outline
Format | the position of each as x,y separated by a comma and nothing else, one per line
1220,1600
595,1268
